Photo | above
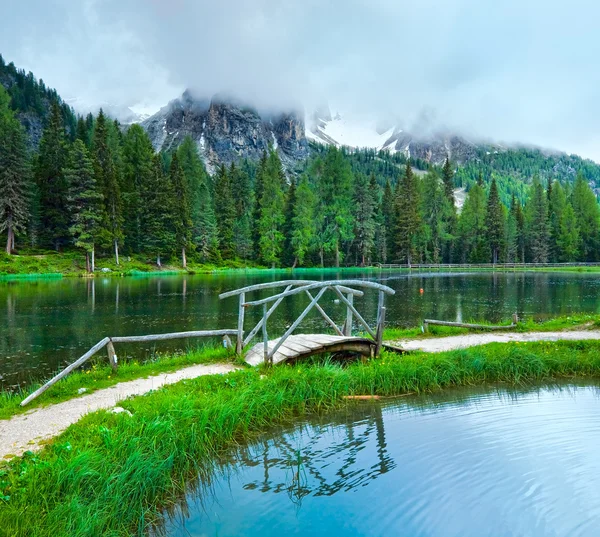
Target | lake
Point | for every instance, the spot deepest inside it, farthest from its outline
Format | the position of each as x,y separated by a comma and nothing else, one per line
465,463
48,323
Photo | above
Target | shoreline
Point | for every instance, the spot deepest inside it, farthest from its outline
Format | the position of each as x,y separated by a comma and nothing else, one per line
125,470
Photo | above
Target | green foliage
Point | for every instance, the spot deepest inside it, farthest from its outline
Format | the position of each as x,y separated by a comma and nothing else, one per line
14,174
303,225
587,216
536,224
366,202
494,222
407,224
472,230
225,209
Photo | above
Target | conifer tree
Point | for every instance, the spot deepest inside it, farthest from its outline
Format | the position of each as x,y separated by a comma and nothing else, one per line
448,180
225,209
435,205
258,192
182,222
14,174
568,239
243,202
107,178
85,203
407,217
138,157
387,217
52,186
271,205
290,205
303,222
557,203
511,238
157,216
494,222
471,226
586,210
365,206
536,222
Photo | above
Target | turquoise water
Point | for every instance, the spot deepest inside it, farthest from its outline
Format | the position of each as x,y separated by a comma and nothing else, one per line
470,463
45,324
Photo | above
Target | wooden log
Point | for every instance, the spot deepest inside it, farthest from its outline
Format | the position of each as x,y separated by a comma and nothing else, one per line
112,355
379,336
265,336
255,330
291,329
101,344
239,344
268,285
174,335
325,316
427,322
358,315
348,324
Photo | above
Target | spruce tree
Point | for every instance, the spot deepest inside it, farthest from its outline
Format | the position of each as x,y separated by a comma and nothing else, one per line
85,203
494,222
138,157
448,180
557,203
157,217
387,216
243,202
511,237
290,205
52,186
14,174
180,206
435,205
568,239
107,178
303,222
225,210
365,206
271,206
471,227
536,223
408,220
586,210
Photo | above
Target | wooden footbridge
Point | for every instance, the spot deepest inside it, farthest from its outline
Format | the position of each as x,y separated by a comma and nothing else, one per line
287,347
292,346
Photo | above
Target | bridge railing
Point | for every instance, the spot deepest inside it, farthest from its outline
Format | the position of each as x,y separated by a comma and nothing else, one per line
344,290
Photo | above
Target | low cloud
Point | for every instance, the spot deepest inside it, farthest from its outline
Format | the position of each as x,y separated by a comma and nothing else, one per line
513,71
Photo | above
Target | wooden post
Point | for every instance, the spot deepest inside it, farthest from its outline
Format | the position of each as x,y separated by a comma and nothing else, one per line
425,326
379,340
112,356
265,336
515,318
380,304
239,345
348,325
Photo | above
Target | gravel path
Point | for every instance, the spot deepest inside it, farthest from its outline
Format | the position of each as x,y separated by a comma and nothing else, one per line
26,431
471,340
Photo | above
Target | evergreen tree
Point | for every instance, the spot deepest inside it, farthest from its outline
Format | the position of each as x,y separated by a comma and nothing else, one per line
85,203
536,222
290,206
258,192
568,239
107,178
494,222
157,216
511,236
435,203
52,186
271,204
585,206
520,218
303,222
407,217
182,222
471,227
387,230
366,200
138,157
449,215
14,174
448,180
557,203
243,201
225,209
334,191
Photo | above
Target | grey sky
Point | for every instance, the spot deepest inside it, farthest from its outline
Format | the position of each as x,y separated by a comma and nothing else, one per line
514,71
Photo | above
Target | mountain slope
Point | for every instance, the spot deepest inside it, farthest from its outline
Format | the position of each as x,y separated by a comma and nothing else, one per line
227,131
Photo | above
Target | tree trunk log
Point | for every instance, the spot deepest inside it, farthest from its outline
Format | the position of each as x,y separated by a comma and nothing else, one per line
183,258
116,252
93,260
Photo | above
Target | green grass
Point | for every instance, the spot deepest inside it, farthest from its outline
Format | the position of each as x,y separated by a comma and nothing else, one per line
578,321
99,375
112,475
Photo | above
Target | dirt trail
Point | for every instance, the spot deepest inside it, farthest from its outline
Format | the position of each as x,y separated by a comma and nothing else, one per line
26,431
471,340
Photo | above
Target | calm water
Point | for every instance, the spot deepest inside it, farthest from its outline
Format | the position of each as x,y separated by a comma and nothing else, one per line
472,464
45,324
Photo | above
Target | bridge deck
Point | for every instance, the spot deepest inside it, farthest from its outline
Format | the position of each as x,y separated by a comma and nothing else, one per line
304,345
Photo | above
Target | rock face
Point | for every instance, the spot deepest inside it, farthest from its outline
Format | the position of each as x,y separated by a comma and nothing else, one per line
435,148
227,131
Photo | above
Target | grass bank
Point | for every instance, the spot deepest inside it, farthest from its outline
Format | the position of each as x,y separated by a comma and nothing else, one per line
112,474
99,375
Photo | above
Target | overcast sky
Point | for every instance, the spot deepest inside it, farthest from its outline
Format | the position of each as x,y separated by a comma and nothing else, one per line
511,70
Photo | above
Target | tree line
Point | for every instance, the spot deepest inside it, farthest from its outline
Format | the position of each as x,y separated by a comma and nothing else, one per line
99,188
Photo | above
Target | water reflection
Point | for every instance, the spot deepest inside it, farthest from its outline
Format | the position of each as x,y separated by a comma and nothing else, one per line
47,323
468,463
